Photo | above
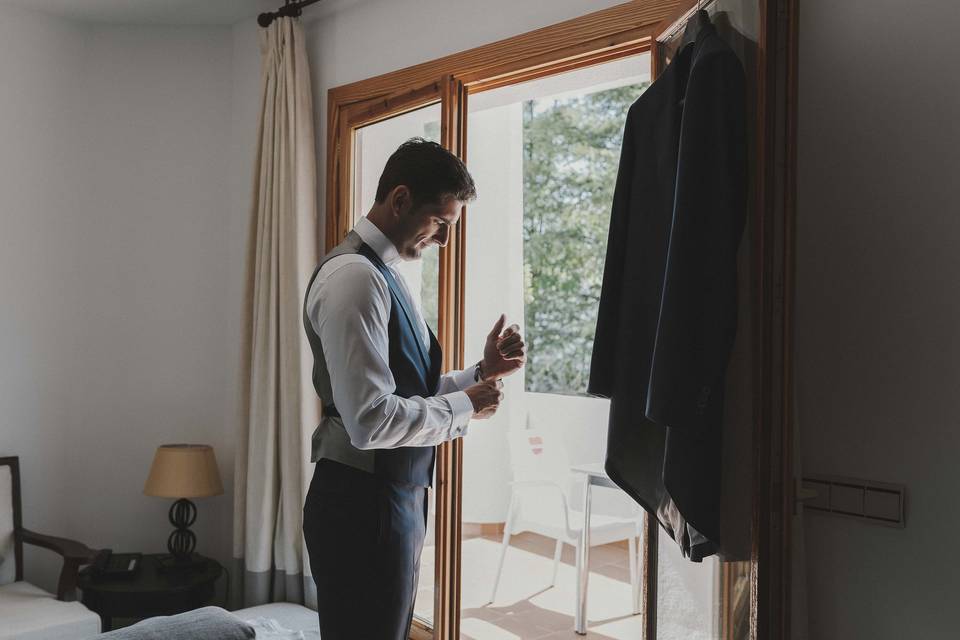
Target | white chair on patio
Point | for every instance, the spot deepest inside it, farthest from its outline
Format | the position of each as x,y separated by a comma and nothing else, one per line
540,503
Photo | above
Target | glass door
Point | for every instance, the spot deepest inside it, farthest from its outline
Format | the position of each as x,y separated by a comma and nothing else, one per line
544,155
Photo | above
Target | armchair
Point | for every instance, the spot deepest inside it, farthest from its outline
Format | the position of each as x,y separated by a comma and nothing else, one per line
28,611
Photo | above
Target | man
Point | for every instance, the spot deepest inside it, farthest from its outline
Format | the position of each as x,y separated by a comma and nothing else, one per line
386,406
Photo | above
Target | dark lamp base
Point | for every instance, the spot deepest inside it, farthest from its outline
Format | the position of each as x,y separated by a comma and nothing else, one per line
182,541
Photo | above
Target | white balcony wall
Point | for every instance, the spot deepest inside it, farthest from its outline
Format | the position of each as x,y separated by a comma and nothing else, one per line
494,285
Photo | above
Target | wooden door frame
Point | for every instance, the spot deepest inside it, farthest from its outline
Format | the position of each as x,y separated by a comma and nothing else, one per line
774,487
602,36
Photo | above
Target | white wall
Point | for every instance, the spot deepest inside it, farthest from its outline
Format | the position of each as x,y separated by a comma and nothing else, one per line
150,270
39,71
878,313
494,285
116,273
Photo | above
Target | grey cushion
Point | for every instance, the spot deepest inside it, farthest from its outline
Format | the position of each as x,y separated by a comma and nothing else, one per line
211,623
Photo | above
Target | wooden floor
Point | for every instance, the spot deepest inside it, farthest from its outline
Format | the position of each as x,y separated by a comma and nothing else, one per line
527,607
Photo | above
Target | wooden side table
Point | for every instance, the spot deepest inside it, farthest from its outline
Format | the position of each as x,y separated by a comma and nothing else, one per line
152,591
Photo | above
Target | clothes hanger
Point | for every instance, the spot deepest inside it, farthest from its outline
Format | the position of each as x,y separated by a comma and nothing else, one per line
696,22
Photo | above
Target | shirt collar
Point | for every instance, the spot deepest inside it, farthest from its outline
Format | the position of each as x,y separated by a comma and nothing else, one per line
380,243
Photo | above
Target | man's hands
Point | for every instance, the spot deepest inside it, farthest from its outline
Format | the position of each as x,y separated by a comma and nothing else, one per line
504,353
486,397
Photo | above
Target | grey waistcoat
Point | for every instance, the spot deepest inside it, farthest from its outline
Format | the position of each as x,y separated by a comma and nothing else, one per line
415,372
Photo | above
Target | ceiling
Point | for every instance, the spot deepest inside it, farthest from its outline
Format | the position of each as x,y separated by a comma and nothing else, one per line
150,12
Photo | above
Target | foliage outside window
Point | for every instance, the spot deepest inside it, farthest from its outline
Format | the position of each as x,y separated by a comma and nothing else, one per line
571,151
430,292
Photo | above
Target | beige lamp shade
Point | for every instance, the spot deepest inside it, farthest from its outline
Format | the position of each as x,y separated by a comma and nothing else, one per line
184,471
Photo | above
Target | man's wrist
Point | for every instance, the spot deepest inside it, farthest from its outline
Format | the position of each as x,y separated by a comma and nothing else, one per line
481,372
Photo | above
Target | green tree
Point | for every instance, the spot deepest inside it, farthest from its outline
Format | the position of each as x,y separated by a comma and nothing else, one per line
571,151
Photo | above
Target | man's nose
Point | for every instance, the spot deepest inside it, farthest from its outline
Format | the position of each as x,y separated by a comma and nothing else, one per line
442,235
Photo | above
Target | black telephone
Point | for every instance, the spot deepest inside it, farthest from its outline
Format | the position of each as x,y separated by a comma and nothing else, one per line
108,564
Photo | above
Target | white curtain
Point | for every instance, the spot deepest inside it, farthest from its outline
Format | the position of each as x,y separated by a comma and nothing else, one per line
279,407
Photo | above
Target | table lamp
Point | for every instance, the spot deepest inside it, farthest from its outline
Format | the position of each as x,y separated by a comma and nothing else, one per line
183,471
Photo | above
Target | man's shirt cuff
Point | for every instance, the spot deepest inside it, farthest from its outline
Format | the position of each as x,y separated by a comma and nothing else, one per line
462,409
464,379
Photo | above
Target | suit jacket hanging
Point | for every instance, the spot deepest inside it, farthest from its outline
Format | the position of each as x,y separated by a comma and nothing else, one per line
668,307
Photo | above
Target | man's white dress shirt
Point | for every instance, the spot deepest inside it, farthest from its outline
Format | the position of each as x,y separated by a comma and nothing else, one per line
349,307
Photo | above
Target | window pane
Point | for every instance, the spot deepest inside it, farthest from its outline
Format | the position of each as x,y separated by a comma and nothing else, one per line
571,149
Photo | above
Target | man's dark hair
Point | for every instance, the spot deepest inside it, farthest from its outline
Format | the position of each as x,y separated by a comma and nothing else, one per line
432,174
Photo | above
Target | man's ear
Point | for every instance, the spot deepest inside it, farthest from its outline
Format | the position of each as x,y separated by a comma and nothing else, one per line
400,199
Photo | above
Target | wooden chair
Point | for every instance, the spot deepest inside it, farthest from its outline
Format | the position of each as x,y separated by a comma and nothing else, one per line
27,610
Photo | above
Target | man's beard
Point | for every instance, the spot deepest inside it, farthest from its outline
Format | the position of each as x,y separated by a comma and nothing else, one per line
416,251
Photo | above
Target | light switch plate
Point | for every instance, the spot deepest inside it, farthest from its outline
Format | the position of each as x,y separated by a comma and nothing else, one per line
882,504
867,500
846,499
820,498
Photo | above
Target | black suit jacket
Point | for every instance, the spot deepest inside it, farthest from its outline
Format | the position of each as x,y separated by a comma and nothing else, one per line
668,307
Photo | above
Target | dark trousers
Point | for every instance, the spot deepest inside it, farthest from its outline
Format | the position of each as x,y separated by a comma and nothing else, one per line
364,536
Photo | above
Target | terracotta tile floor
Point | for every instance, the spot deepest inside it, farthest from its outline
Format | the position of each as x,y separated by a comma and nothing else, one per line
527,607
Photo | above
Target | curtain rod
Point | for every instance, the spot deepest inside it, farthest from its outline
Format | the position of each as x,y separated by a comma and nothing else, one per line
292,9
